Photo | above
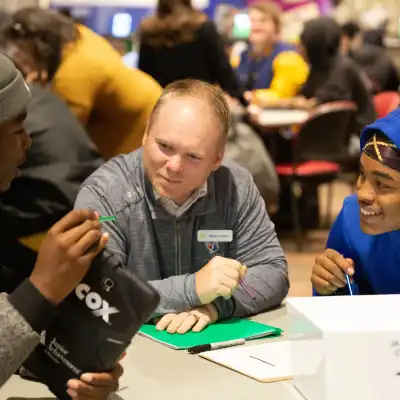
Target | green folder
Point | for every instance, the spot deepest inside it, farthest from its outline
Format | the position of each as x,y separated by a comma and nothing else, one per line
220,332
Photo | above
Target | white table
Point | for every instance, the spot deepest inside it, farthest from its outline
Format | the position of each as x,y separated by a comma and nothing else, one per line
278,118
154,371
282,118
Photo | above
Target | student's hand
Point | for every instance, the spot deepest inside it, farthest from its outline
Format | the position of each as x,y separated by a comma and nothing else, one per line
220,277
67,253
301,102
329,272
195,320
248,96
95,386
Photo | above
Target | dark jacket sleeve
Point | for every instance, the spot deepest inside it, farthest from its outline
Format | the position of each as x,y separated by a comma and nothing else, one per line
222,70
23,316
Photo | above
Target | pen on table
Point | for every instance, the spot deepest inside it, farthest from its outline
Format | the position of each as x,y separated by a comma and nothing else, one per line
107,218
215,346
349,284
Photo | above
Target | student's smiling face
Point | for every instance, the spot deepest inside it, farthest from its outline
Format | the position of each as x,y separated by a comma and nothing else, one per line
378,192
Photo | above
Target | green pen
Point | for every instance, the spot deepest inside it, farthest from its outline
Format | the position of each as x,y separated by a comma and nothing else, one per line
107,218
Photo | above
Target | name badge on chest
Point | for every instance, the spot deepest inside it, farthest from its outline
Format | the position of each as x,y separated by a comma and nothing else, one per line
221,236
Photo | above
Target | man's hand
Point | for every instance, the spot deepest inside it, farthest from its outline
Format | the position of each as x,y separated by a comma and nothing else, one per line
67,253
195,320
329,272
220,277
95,386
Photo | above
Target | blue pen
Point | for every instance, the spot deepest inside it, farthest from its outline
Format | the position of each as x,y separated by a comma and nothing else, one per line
349,284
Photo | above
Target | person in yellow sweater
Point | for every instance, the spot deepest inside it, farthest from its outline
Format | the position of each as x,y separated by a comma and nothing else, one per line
269,70
112,101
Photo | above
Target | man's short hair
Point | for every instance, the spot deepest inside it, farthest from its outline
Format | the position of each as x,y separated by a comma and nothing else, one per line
270,9
211,94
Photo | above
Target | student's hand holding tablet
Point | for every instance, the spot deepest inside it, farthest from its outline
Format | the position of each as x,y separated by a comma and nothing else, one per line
329,271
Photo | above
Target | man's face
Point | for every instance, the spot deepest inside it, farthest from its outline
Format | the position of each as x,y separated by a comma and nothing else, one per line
263,30
14,143
182,147
378,192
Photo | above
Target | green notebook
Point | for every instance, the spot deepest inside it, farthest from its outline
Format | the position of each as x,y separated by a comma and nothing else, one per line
221,332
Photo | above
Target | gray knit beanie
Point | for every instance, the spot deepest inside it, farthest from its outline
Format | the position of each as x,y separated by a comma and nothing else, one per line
14,92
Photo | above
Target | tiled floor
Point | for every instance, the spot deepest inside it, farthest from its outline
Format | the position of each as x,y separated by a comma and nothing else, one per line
300,264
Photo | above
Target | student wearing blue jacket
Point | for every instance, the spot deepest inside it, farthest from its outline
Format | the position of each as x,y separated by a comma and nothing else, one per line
365,238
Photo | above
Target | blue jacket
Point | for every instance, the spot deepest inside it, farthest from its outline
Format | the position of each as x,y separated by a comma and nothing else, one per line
376,258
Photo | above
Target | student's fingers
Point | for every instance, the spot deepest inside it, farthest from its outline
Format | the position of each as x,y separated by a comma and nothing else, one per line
326,274
349,260
340,261
328,265
322,286
187,324
104,379
73,235
165,321
73,218
88,240
350,271
92,248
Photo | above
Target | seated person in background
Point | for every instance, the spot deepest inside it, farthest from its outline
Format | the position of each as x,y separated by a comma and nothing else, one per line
64,258
269,69
372,59
332,77
165,194
180,42
111,100
59,160
364,240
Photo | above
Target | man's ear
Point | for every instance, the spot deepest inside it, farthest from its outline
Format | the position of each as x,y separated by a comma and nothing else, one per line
218,161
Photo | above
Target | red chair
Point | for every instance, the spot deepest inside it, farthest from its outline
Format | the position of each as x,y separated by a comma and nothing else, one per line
318,149
385,103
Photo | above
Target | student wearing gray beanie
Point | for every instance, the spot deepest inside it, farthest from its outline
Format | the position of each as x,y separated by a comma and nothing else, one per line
14,141
64,258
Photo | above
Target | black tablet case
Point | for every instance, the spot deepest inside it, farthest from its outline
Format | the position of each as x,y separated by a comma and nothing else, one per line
95,325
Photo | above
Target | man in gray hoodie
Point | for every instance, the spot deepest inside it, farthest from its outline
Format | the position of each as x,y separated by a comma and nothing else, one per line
64,258
197,229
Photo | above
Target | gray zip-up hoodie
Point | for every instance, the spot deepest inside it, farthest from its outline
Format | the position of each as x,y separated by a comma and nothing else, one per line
165,251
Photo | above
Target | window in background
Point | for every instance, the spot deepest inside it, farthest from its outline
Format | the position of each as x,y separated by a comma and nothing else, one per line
121,25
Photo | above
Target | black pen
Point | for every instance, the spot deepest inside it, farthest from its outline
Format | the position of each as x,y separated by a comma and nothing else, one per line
215,346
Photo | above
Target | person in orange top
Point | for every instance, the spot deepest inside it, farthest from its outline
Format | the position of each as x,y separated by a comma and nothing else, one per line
112,101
